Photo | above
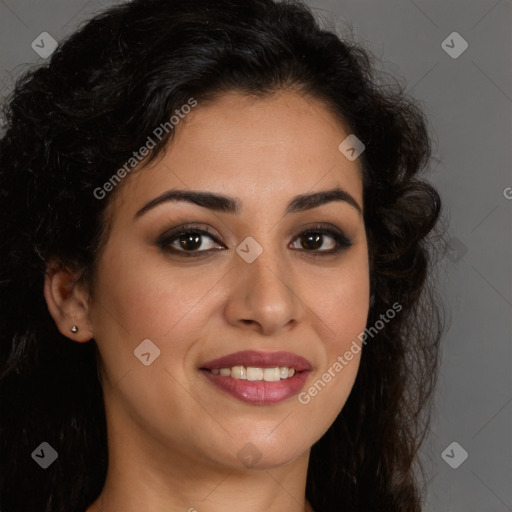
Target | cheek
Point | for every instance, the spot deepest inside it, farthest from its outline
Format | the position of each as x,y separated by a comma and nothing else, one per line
341,300
329,387
341,315
147,297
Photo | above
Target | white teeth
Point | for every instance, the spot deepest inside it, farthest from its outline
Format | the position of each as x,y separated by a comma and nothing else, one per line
254,374
239,372
271,374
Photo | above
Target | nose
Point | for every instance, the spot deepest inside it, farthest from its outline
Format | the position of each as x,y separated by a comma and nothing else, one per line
264,294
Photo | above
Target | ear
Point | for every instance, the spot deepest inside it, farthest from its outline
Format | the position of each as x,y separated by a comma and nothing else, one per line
67,302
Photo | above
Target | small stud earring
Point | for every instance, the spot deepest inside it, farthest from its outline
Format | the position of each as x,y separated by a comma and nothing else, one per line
74,329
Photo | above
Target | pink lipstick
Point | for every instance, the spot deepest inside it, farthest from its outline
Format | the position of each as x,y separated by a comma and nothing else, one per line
258,377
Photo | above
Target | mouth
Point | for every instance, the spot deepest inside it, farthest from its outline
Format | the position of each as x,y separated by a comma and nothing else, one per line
258,377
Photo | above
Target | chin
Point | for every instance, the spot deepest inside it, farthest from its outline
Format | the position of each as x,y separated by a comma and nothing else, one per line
263,454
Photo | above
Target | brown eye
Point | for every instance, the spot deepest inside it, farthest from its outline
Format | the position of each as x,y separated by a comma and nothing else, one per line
189,242
312,241
315,238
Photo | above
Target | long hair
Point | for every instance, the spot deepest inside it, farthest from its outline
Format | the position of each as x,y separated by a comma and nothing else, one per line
72,122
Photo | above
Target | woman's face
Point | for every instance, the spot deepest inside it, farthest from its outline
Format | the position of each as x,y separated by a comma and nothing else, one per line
262,278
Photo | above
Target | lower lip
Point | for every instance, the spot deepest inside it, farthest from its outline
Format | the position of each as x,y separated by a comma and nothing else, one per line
261,391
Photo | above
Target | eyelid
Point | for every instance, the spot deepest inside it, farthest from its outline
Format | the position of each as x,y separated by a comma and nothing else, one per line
188,227
323,228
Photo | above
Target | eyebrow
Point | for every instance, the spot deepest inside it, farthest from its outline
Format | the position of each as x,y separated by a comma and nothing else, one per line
225,204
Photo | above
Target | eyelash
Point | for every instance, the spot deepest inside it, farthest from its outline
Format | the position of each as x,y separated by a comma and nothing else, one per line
164,242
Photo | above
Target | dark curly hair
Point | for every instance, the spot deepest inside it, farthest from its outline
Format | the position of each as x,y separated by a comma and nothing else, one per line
71,122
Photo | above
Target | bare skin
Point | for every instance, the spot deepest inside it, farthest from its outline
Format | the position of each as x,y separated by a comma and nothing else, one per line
174,439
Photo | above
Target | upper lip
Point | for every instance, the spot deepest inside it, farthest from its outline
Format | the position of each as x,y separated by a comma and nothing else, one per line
259,360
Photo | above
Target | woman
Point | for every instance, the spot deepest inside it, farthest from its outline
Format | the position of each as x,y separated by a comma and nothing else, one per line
216,270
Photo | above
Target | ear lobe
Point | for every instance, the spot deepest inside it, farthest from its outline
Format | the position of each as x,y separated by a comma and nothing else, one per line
67,303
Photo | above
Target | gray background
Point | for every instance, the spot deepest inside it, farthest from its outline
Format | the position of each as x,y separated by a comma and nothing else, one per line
469,103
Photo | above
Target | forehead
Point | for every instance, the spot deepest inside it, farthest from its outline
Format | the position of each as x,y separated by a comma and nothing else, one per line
253,148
